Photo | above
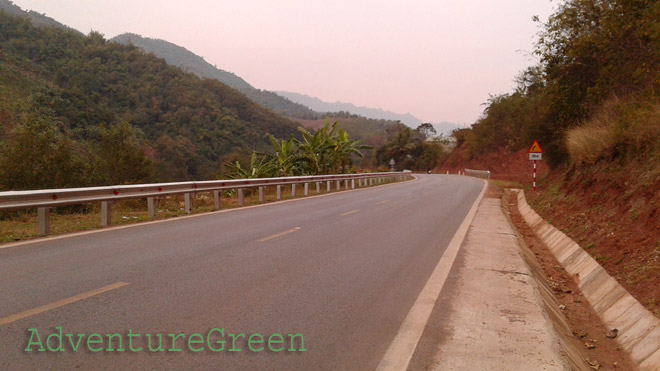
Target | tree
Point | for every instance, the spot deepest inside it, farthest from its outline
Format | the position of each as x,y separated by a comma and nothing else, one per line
427,130
286,158
121,154
37,155
259,167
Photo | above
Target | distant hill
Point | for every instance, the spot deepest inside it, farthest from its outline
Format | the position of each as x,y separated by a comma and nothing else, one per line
37,19
190,62
374,113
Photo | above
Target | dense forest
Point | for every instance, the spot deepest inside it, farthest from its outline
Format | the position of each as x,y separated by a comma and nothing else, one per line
593,96
78,110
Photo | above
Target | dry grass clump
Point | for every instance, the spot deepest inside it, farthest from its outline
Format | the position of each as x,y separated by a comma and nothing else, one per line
597,137
619,128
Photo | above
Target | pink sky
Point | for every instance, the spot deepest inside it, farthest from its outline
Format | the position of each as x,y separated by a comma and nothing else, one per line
438,60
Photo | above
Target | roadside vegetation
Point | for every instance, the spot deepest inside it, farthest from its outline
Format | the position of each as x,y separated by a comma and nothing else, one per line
593,103
326,151
88,100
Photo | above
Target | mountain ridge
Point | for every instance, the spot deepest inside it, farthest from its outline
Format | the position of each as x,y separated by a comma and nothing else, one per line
319,105
188,61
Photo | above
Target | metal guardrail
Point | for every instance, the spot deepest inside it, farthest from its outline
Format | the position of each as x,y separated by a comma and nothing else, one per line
485,174
44,199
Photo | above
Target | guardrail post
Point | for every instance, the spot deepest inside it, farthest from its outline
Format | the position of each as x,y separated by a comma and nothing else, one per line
328,187
352,183
318,187
43,221
106,213
216,199
339,185
151,207
241,197
293,190
306,189
279,192
187,204
261,194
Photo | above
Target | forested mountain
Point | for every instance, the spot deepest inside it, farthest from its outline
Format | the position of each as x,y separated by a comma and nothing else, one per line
374,113
190,62
79,110
39,20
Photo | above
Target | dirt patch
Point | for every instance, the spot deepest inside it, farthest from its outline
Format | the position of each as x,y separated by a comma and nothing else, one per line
503,165
590,336
611,209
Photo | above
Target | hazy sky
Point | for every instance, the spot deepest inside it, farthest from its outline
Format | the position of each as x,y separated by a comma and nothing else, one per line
438,60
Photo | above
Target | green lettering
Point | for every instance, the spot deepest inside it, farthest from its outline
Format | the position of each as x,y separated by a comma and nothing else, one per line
160,343
271,341
302,343
191,342
174,337
260,341
75,347
31,342
90,341
221,342
110,336
233,342
58,337
131,335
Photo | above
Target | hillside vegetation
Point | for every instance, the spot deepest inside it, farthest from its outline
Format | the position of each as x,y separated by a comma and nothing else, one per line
188,61
593,96
79,110
593,102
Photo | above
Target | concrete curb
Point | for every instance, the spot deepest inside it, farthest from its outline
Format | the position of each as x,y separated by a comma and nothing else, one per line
639,329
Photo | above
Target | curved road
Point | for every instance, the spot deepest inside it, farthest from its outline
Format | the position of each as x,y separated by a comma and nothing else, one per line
343,270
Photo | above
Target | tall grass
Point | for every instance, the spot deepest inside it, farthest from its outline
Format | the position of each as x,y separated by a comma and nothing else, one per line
619,128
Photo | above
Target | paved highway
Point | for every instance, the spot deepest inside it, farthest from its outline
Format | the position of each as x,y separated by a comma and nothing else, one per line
343,270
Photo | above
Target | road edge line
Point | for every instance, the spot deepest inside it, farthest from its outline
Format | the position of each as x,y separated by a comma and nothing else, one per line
400,352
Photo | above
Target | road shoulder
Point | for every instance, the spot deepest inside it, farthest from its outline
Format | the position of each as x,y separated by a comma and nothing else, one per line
490,314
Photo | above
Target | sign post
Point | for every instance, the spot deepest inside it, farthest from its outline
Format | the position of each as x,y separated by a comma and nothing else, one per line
535,154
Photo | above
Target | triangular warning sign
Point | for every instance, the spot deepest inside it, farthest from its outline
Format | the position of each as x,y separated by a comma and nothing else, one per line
535,148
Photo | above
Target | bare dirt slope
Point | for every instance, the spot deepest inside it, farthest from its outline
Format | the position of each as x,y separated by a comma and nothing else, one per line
611,209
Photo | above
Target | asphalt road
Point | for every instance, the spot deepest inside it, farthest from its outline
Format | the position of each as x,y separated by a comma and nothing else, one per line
343,270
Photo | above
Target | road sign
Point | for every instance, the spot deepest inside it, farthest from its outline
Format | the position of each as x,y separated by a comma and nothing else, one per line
535,148
535,154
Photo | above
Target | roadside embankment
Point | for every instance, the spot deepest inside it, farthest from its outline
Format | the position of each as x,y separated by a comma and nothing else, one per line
637,329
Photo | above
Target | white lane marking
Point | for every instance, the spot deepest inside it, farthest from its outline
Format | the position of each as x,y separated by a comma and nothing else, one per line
350,212
114,228
294,229
403,346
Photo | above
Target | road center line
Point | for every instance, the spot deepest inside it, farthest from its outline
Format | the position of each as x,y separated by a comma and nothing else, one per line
349,212
382,202
398,354
294,229
61,303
